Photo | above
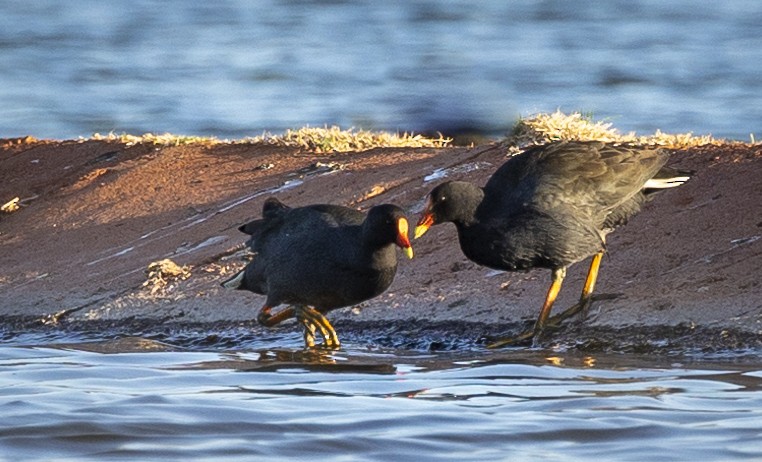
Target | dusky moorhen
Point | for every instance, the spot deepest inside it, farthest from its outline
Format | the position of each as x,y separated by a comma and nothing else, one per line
320,257
550,207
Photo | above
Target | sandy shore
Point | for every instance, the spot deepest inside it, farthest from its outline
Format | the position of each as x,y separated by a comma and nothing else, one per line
95,214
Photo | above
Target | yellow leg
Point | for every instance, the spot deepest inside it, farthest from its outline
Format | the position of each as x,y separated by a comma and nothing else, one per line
329,333
318,321
557,279
592,276
313,319
269,320
587,293
309,333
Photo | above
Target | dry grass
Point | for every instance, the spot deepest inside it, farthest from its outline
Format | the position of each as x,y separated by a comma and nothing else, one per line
319,140
161,274
167,139
10,206
334,139
542,128
536,129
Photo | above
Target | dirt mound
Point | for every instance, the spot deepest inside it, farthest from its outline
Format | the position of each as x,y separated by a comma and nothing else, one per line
94,215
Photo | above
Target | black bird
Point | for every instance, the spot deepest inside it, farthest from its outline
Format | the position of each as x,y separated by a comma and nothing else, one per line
318,258
550,207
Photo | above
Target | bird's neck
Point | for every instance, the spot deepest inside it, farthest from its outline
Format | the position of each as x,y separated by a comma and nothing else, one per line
379,259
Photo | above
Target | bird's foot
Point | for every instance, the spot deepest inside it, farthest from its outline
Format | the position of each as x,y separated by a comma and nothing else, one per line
312,320
309,333
581,308
530,337
533,337
523,339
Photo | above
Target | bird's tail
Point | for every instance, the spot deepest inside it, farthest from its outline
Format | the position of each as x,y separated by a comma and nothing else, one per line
235,282
667,177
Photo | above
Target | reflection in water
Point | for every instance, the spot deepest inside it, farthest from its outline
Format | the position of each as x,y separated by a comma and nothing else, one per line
144,399
307,360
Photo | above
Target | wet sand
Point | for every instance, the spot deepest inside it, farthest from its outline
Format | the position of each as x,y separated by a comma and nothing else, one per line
683,273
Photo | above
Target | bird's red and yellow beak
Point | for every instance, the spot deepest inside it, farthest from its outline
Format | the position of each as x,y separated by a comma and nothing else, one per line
426,221
402,240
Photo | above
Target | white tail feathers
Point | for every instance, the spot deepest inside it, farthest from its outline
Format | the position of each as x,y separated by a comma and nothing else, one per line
663,183
235,282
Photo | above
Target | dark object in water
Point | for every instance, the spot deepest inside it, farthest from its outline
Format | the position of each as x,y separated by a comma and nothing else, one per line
550,207
318,258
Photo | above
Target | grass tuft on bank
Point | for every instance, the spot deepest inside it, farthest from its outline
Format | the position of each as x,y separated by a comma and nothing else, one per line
555,126
334,139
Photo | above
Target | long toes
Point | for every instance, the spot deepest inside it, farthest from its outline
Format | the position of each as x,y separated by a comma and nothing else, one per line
601,297
524,338
579,307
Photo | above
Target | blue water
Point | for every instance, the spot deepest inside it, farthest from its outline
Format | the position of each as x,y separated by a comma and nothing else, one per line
130,398
234,68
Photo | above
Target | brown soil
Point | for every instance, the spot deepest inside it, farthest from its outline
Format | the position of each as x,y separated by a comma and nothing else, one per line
95,214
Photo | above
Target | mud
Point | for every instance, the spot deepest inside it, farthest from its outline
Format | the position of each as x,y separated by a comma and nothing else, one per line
682,275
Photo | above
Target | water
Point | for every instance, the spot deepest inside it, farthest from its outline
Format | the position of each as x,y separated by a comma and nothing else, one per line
234,68
131,398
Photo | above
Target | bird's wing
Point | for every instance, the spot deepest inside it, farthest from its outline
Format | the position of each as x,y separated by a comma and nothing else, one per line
273,214
593,177
271,210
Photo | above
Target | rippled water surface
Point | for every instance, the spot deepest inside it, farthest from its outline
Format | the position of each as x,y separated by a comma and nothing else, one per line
137,399
233,68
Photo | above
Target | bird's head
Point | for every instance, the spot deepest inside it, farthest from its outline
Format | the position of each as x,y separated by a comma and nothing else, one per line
454,201
387,223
